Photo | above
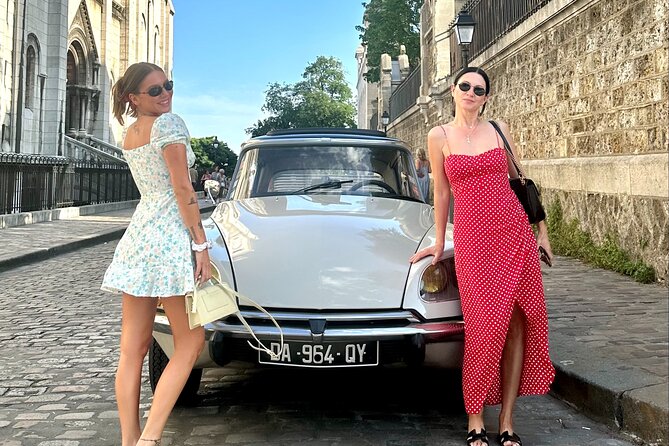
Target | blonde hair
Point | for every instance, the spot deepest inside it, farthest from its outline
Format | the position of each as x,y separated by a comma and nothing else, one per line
420,153
127,84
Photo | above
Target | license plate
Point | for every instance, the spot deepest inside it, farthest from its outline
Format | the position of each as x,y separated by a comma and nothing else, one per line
331,354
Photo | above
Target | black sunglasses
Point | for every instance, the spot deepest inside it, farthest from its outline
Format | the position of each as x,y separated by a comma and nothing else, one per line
156,90
465,86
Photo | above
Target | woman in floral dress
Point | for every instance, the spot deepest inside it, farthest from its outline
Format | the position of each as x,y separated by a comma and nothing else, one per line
154,259
496,262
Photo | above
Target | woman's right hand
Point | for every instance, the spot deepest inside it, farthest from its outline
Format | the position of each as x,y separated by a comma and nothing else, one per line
202,267
435,250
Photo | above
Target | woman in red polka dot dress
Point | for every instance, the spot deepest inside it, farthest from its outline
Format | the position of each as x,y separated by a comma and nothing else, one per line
496,260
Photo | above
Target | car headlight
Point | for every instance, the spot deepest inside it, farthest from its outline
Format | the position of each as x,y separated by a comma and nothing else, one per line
434,279
438,282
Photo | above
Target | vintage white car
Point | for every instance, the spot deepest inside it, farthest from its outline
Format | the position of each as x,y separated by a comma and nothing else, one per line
318,228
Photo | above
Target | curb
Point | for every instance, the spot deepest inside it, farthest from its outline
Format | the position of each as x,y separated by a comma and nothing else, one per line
43,254
625,398
47,253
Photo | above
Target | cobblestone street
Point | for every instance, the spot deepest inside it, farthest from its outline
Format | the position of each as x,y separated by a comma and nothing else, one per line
58,349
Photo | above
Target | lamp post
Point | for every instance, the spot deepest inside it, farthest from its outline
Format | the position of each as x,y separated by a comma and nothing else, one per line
464,32
215,143
385,120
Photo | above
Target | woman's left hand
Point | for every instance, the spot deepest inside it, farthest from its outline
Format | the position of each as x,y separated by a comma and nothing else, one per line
542,241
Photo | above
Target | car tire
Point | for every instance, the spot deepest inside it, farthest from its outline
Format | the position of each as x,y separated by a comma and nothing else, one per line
158,361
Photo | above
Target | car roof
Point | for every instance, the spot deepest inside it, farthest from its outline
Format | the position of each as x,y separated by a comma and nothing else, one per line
325,134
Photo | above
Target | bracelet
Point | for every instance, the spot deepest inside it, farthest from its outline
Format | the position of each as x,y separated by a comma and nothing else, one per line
199,247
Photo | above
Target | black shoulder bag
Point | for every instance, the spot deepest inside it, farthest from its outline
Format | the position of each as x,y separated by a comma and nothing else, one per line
524,188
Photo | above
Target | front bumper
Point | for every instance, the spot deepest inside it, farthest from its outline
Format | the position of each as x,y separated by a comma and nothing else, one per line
402,336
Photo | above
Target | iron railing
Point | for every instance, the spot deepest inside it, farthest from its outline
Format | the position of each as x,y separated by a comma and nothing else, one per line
405,94
35,182
494,19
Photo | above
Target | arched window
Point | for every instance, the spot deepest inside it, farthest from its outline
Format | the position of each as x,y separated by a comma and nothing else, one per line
144,43
149,7
31,76
71,68
156,47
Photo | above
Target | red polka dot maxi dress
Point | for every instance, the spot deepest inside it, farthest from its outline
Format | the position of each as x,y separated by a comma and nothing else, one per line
497,265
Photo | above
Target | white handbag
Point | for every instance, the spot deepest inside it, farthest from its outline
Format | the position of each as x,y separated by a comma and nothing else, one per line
215,299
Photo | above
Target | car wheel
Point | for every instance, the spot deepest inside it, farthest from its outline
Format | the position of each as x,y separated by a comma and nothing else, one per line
158,361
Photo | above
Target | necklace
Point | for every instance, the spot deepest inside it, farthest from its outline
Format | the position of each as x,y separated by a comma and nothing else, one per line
473,128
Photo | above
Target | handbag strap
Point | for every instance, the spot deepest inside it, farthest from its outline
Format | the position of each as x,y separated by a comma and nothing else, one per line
507,146
262,347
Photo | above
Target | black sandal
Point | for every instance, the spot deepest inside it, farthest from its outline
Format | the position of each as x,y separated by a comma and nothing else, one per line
505,437
472,436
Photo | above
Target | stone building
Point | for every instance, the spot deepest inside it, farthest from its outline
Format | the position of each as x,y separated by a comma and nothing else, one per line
584,86
59,59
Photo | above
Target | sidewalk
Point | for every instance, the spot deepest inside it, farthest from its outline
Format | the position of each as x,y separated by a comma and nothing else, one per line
38,241
608,334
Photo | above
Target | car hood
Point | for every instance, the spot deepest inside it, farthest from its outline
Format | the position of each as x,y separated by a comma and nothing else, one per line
322,252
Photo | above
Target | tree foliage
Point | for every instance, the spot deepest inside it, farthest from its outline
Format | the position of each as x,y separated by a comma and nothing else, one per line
321,99
207,156
389,24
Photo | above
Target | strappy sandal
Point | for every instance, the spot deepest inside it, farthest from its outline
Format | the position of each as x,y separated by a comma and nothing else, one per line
505,437
472,437
154,442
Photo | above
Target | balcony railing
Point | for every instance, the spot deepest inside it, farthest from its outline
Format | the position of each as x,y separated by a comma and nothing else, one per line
405,94
494,19
34,182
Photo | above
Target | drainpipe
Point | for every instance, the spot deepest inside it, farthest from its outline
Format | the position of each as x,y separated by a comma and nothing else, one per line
19,100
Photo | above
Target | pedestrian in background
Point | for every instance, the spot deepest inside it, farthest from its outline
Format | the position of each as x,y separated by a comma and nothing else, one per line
154,260
205,176
496,262
423,170
192,173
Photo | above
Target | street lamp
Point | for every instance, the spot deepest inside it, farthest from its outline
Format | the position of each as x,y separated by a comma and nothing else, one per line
215,143
385,120
464,32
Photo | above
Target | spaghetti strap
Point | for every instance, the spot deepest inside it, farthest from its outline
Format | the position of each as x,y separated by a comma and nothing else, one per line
497,136
445,140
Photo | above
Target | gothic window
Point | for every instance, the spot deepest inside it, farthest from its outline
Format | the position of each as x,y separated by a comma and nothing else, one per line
31,76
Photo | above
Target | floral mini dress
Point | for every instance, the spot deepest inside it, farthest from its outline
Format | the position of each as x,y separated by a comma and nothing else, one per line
154,257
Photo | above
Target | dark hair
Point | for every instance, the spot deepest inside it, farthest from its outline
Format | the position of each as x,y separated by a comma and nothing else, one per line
129,83
477,70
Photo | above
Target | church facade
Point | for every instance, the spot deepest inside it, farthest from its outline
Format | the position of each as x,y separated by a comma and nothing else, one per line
59,60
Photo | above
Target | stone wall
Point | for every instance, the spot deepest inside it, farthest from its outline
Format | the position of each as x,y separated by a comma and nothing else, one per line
584,85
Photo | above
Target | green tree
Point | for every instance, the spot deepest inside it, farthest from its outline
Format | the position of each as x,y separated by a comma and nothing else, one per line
389,24
321,99
207,156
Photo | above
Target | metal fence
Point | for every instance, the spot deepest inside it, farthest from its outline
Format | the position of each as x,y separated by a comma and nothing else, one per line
34,182
493,19
405,94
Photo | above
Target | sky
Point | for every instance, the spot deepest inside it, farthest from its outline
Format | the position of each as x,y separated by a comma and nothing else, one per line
227,52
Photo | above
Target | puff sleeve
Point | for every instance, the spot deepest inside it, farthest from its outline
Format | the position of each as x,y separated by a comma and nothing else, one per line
168,129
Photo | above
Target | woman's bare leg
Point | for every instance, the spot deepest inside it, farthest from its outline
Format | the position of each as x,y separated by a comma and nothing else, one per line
136,328
187,347
476,423
512,364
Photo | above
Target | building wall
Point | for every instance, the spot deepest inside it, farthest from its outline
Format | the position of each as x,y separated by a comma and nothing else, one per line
35,99
584,85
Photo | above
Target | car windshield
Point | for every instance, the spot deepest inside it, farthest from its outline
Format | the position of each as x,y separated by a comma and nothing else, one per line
380,171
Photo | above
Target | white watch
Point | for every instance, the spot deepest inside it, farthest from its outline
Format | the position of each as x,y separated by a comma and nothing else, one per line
199,247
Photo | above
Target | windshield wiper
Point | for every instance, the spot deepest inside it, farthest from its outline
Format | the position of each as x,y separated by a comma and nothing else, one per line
326,185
